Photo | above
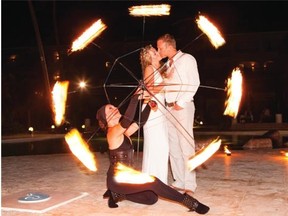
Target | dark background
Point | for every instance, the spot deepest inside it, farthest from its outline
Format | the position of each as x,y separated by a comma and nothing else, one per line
25,98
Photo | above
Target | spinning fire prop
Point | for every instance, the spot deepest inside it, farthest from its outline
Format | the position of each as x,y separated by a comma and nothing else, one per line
81,149
88,36
234,93
125,174
59,97
150,10
211,31
204,154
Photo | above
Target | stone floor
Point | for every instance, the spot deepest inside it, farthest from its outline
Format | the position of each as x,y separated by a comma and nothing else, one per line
249,182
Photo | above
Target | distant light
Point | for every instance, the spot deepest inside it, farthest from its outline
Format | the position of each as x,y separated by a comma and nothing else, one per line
13,58
201,122
52,126
150,10
83,126
82,84
30,129
56,55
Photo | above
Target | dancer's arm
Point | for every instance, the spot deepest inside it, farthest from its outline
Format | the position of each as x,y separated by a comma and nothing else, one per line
130,112
144,117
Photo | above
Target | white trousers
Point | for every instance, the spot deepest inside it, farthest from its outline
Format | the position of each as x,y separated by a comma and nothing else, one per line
182,146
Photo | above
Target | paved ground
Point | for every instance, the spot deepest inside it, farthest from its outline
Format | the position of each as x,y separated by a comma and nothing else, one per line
249,182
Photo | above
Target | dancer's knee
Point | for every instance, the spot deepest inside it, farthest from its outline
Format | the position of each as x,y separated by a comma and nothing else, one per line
153,198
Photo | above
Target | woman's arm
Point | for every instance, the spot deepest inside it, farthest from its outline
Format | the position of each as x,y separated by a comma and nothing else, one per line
144,117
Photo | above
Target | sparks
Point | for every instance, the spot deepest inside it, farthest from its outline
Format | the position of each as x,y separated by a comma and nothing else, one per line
88,36
211,31
234,93
59,96
150,10
204,154
125,174
81,149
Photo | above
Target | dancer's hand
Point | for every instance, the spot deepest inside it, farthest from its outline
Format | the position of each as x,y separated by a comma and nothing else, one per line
142,94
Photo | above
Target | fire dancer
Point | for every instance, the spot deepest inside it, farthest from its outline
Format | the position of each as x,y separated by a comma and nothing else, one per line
118,130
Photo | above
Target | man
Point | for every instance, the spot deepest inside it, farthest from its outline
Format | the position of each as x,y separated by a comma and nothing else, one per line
179,93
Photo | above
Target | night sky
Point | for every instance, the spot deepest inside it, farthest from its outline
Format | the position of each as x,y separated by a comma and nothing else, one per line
61,22
65,20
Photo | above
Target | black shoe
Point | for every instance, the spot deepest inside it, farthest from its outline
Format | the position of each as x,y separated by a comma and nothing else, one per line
106,194
194,205
111,202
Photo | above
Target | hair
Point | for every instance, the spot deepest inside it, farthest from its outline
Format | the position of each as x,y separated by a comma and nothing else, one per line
145,57
168,39
101,117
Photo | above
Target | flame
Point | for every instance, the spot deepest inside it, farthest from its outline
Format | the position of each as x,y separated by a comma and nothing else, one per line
204,154
125,174
88,35
234,93
150,10
284,153
211,31
226,150
81,149
59,96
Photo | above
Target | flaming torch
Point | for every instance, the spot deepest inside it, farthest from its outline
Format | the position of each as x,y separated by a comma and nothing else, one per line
211,31
88,36
125,174
234,93
227,151
204,154
81,149
150,10
285,154
59,96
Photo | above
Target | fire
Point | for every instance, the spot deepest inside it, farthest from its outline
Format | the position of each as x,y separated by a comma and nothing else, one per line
125,174
59,95
81,149
234,93
204,154
88,36
227,151
150,10
211,31
285,153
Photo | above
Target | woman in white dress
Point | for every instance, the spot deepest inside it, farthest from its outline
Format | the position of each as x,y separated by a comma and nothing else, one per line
155,146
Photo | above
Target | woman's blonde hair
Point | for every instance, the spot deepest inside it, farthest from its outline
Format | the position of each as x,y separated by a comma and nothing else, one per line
145,57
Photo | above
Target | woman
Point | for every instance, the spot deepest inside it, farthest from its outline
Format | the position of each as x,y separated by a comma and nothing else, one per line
155,131
118,130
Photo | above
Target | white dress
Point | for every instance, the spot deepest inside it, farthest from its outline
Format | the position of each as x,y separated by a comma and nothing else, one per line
155,145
